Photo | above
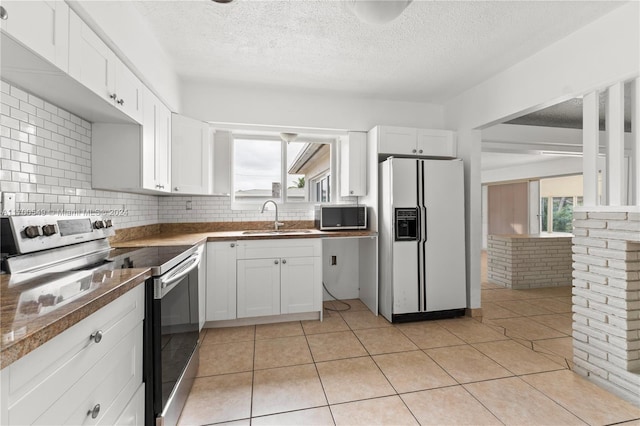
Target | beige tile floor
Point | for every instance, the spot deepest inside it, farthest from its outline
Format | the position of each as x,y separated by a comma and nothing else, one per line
512,366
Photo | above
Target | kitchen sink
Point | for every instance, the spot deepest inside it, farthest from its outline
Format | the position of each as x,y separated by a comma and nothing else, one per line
278,232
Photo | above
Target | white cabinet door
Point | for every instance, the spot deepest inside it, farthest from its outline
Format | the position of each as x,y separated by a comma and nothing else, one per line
397,140
42,26
221,281
300,285
436,143
353,165
97,67
133,413
91,62
258,287
156,128
222,162
190,156
128,91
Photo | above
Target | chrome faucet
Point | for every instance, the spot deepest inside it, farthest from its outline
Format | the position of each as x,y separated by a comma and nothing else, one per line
276,223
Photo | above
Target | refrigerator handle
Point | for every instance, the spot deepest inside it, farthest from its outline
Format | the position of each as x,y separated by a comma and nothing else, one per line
426,236
418,224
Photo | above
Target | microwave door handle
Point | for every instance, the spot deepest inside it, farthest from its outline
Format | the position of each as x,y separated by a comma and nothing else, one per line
167,284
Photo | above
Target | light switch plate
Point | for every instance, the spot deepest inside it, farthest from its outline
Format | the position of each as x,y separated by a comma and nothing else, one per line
8,203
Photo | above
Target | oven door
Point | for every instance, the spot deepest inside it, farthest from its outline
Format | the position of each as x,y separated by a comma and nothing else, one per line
175,331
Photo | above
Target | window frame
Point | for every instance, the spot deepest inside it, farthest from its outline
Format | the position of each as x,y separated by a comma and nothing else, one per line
283,203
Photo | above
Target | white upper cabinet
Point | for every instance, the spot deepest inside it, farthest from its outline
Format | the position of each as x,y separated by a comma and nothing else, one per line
96,66
42,26
156,144
407,141
353,165
191,157
222,162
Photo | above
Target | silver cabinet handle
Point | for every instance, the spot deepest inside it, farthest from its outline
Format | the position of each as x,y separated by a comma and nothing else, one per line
94,411
232,245
120,102
414,151
97,336
275,262
351,192
284,261
420,152
3,14
176,189
113,96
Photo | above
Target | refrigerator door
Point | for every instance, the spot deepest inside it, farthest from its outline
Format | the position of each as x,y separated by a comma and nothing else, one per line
445,276
406,265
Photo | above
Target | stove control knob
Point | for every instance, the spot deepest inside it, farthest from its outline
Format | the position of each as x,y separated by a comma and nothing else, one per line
98,224
32,231
108,223
48,230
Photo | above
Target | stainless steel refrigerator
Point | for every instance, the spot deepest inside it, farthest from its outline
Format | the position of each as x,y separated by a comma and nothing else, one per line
422,239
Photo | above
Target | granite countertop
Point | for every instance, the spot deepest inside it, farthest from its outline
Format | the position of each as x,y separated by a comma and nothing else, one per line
192,238
35,309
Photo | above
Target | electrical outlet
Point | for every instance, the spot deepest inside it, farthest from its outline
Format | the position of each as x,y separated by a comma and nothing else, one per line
8,203
334,260
189,206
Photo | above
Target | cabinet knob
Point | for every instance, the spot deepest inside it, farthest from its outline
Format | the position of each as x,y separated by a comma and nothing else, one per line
232,245
97,336
351,192
94,411
120,102
414,151
420,152
275,262
113,96
3,14
176,189
284,261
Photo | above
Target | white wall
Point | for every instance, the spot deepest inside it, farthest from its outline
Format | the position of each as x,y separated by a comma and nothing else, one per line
248,105
601,53
343,278
128,34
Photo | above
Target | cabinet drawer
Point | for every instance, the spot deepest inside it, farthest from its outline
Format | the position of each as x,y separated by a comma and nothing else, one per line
42,377
263,249
109,385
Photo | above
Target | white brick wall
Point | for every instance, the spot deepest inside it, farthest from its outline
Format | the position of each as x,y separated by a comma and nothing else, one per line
529,262
606,297
218,209
46,161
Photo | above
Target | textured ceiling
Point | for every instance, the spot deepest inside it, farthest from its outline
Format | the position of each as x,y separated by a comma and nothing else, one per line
433,51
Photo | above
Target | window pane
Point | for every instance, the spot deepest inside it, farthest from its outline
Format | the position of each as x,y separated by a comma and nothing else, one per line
563,214
543,214
257,170
307,163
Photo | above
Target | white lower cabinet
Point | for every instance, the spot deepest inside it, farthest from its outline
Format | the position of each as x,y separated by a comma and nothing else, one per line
255,278
258,287
279,277
78,378
221,281
300,279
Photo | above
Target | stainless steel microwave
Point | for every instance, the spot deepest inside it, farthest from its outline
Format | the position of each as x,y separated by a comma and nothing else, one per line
331,217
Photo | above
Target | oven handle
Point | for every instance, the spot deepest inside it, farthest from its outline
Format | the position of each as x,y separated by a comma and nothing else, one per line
173,278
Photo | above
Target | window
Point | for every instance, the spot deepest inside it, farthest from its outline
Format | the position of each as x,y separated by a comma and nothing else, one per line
267,168
560,210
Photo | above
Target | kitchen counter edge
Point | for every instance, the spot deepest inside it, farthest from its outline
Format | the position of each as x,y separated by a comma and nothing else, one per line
76,312
203,237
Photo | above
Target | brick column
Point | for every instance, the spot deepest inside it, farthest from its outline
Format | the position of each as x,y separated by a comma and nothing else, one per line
606,298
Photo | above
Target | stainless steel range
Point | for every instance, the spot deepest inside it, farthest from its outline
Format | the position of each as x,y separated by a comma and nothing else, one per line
44,244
